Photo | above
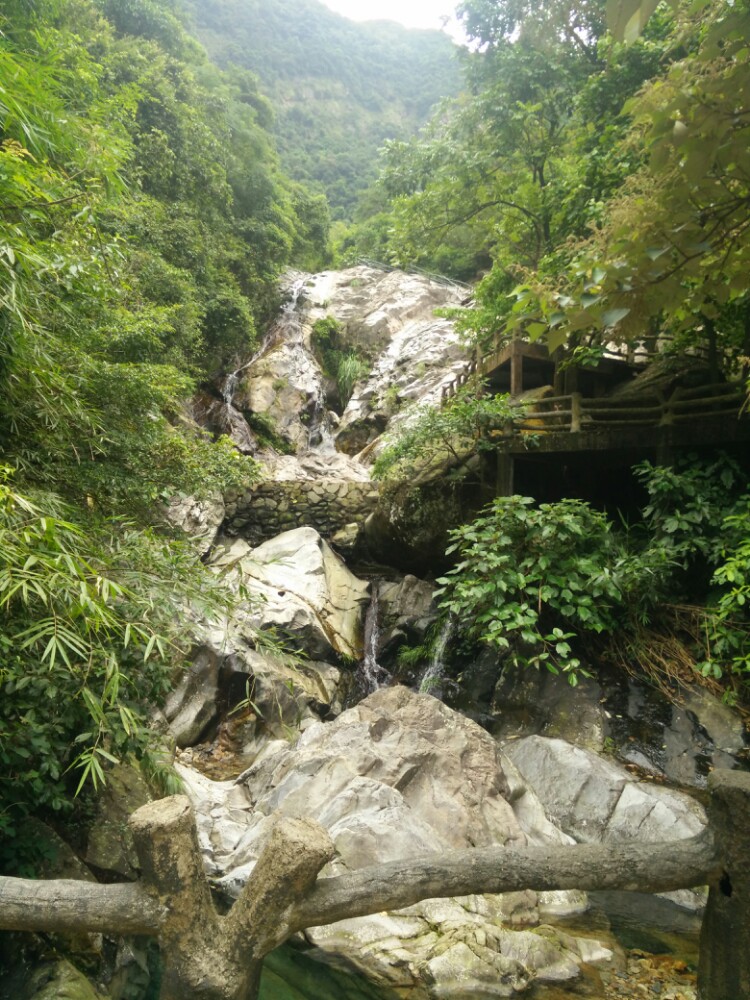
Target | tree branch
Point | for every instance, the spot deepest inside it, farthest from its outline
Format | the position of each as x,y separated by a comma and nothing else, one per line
660,867
63,905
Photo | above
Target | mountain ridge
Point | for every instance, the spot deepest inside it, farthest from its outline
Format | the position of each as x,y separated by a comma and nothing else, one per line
340,88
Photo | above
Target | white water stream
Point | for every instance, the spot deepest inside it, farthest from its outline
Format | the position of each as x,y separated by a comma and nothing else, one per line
371,674
289,329
433,675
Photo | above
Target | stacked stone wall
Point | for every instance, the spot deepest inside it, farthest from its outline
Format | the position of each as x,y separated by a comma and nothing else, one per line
324,504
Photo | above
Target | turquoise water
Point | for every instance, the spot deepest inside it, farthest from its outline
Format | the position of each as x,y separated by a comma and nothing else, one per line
289,974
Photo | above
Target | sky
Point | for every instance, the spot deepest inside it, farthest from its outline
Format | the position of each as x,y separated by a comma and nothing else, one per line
410,13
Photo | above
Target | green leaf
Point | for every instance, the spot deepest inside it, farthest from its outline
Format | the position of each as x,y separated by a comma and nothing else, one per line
555,339
626,19
613,316
535,330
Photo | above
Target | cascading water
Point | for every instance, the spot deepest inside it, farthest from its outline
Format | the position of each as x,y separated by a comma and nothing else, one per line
228,388
222,416
371,675
321,434
287,327
433,675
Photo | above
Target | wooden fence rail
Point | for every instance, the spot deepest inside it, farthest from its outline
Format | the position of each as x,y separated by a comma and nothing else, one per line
574,412
208,956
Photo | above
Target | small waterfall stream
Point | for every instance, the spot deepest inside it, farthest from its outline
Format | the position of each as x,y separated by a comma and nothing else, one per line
433,675
321,434
229,387
370,675
287,327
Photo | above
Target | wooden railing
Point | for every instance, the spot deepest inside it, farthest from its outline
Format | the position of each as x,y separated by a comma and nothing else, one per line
486,360
574,412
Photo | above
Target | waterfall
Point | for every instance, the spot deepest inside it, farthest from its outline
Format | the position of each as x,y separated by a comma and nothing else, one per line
224,417
371,675
287,327
228,388
431,678
321,436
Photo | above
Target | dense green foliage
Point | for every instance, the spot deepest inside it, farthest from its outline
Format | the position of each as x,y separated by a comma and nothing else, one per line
346,366
541,582
671,246
436,437
339,89
600,188
88,641
143,223
527,576
524,159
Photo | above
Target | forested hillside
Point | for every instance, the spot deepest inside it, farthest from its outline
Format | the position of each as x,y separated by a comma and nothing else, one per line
339,89
598,182
144,220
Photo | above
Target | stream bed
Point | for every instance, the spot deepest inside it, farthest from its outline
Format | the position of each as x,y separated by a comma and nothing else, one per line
654,963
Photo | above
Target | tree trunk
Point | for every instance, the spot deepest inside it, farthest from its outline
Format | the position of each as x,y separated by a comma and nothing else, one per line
724,969
211,957
205,956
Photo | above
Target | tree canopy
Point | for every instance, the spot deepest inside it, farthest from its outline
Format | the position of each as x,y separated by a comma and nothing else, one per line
599,187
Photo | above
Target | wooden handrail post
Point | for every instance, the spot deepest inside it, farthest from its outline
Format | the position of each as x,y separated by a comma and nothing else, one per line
516,369
724,964
575,412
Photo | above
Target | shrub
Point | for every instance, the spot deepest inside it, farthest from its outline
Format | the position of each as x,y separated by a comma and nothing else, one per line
528,576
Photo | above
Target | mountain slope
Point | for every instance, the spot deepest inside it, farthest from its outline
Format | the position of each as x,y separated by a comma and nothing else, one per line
339,89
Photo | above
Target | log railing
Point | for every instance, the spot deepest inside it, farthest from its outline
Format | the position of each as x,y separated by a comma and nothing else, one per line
213,957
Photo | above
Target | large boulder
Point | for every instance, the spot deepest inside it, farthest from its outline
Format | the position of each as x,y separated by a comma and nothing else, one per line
423,356
373,305
594,800
398,776
258,697
243,685
407,611
110,848
60,981
199,519
296,584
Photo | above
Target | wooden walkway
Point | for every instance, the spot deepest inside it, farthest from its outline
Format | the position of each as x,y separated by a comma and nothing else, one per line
627,417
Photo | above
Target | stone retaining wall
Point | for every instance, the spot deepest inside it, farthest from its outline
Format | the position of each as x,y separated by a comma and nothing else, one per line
324,504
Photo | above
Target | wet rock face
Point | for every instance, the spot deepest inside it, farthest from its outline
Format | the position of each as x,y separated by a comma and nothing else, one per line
110,845
386,317
373,305
407,611
595,800
199,519
632,721
284,386
402,775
